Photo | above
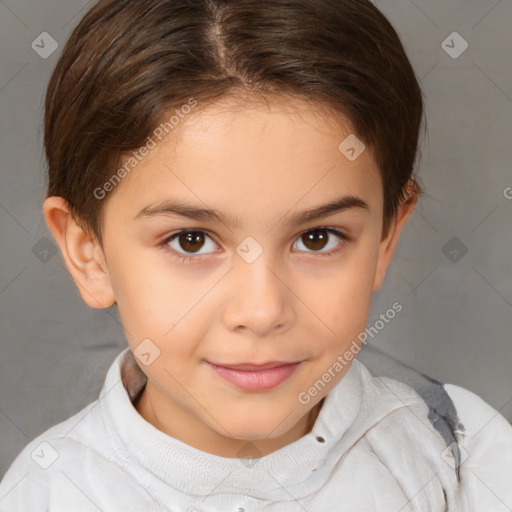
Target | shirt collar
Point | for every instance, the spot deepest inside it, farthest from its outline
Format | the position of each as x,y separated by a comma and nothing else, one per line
301,466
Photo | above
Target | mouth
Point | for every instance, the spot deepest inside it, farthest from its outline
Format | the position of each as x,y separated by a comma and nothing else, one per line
251,377
256,367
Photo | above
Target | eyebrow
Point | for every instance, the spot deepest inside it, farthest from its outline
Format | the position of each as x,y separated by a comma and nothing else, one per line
181,208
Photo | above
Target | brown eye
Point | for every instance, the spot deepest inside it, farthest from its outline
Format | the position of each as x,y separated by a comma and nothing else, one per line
315,240
191,241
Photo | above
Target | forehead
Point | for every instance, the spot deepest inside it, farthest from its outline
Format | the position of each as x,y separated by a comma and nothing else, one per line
255,155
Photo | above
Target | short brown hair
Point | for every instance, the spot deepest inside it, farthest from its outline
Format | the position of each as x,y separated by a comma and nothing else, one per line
128,62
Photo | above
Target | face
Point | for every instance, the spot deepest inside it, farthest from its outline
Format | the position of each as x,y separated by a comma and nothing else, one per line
254,284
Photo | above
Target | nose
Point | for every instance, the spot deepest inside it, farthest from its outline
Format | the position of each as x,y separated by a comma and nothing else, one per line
259,299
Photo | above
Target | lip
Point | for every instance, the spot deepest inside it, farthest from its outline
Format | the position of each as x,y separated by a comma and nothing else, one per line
256,367
251,377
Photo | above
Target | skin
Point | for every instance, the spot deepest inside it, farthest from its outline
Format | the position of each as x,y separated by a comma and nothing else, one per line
261,164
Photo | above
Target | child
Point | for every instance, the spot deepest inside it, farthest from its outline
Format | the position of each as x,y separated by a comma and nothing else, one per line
279,137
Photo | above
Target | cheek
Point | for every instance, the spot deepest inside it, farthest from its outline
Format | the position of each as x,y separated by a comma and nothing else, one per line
342,300
160,302
142,293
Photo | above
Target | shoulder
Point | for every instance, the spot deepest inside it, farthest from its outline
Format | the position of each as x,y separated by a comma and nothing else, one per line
478,417
484,433
75,458
41,451
26,484
477,438
485,443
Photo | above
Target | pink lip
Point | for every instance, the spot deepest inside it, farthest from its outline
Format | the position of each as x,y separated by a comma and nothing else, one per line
256,377
256,367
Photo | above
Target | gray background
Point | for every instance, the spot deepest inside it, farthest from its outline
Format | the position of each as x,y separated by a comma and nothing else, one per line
457,307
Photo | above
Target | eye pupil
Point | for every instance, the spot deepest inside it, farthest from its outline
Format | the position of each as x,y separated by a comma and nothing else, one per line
191,239
318,238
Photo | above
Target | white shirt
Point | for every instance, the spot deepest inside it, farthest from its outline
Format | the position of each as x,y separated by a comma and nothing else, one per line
372,448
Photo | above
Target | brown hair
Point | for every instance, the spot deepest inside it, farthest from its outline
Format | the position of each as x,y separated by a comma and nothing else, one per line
129,62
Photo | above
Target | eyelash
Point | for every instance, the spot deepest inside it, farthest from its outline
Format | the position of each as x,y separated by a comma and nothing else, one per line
188,259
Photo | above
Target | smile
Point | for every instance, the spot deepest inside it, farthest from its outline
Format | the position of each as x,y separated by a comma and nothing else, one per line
256,380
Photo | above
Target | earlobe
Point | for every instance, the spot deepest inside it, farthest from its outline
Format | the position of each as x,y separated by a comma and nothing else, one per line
82,254
388,244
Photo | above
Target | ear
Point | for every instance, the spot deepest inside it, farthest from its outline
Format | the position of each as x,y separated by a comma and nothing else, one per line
388,244
82,254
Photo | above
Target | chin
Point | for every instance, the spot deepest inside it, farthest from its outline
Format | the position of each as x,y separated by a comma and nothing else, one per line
262,430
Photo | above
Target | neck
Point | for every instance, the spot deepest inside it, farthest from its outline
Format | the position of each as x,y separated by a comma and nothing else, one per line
191,431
